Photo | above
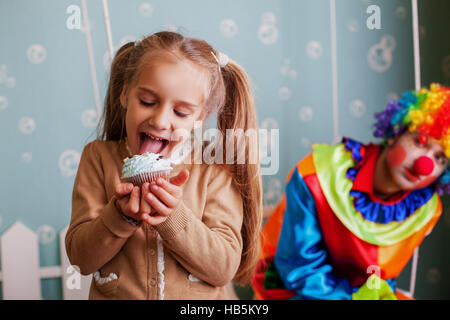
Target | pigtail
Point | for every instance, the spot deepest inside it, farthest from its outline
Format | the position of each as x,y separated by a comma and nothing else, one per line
239,113
112,123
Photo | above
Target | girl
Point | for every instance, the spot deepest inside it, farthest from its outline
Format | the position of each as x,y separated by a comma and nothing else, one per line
353,214
180,239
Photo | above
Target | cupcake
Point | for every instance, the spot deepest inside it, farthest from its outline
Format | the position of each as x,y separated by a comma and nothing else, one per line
145,167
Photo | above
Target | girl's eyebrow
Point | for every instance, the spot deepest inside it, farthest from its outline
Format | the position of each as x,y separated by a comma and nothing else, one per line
147,90
177,101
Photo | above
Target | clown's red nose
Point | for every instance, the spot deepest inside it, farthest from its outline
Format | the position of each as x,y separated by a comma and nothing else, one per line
423,166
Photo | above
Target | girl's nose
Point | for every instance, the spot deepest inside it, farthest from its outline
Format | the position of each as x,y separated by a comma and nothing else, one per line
160,119
423,166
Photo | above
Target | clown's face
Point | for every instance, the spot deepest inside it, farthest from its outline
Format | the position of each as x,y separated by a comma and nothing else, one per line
414,163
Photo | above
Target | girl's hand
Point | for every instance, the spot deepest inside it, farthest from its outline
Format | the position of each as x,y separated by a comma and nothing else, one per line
163,197
145,206
128,198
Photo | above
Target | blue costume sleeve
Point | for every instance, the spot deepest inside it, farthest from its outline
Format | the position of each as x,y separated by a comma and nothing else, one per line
301,257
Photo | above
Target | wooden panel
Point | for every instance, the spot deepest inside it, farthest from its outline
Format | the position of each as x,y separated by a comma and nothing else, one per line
20,264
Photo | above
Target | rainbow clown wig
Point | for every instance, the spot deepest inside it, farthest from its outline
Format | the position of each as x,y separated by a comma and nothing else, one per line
424,111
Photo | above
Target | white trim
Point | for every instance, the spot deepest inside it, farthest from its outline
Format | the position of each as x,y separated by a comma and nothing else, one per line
102,280
161,282
193,278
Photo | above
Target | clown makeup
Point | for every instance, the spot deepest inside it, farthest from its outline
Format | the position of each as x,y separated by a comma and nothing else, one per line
414,162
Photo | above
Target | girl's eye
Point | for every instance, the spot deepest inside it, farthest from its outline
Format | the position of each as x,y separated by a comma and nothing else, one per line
180,114
147,104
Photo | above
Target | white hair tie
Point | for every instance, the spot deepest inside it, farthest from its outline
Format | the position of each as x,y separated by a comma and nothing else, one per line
222,60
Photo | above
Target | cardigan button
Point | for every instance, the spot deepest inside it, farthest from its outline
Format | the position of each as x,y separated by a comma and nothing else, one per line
153,282
152,252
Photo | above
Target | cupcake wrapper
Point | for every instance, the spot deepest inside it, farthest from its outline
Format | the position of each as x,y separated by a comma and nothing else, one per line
140,179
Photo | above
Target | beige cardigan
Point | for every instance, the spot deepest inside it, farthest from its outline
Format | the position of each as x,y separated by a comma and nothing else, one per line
191,255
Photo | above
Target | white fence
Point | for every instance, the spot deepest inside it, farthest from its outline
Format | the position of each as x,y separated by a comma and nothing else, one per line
20,271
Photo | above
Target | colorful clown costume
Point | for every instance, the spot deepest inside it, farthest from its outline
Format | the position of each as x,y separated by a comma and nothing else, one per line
331,237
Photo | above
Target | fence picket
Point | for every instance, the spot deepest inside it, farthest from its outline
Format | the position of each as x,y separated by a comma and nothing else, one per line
20,264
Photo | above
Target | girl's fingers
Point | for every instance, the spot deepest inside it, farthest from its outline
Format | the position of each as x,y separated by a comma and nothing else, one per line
123,189
157,205
133,204
153,220
145,207
181,178
173,189
164,196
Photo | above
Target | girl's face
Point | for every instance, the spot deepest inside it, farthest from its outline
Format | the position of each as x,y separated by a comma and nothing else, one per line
406,170
164,104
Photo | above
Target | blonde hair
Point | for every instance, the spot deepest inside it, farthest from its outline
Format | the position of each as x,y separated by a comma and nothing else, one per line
229,95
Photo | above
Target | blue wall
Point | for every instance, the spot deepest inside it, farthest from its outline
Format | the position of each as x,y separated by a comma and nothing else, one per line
48,109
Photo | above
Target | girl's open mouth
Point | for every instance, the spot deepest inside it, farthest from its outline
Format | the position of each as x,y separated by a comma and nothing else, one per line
150,143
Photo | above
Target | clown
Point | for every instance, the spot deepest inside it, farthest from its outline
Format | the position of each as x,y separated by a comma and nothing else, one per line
353,214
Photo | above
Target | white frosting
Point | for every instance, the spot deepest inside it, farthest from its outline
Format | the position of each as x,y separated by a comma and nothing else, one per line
146,162
161,282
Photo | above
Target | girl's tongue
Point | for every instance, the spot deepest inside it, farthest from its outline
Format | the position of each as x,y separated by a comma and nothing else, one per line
149,144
